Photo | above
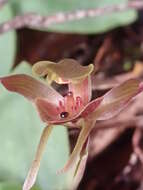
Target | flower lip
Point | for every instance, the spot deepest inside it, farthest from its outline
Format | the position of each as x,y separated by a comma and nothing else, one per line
69,109
71,105
43,108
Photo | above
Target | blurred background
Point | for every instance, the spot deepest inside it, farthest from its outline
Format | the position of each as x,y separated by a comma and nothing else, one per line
107,33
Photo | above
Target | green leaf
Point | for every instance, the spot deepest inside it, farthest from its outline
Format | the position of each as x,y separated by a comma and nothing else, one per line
87,25
7,43
9,186
6,185
20,133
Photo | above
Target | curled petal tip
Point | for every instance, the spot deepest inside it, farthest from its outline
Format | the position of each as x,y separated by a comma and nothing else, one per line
65,71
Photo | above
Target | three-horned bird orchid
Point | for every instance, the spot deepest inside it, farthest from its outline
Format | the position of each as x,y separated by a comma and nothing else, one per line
76,106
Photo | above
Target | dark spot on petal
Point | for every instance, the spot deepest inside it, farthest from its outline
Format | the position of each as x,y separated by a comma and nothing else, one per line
64,114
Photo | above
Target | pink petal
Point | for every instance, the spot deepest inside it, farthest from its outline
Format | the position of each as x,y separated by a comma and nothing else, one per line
116,99
30,88
50,113
82,89
91,107
47,111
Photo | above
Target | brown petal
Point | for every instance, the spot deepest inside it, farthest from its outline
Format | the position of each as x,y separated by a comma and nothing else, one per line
30,88
116,99
66,71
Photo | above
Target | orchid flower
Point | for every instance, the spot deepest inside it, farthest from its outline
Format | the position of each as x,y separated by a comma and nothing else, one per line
75,106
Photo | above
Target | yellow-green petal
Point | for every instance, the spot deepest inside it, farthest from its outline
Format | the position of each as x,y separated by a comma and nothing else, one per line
83,136
63,72
32,175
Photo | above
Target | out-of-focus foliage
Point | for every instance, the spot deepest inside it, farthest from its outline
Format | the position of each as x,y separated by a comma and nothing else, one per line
21,128
87,25
12,186
7,42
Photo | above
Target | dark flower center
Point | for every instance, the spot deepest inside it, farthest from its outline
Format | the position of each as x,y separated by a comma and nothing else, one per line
64,114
